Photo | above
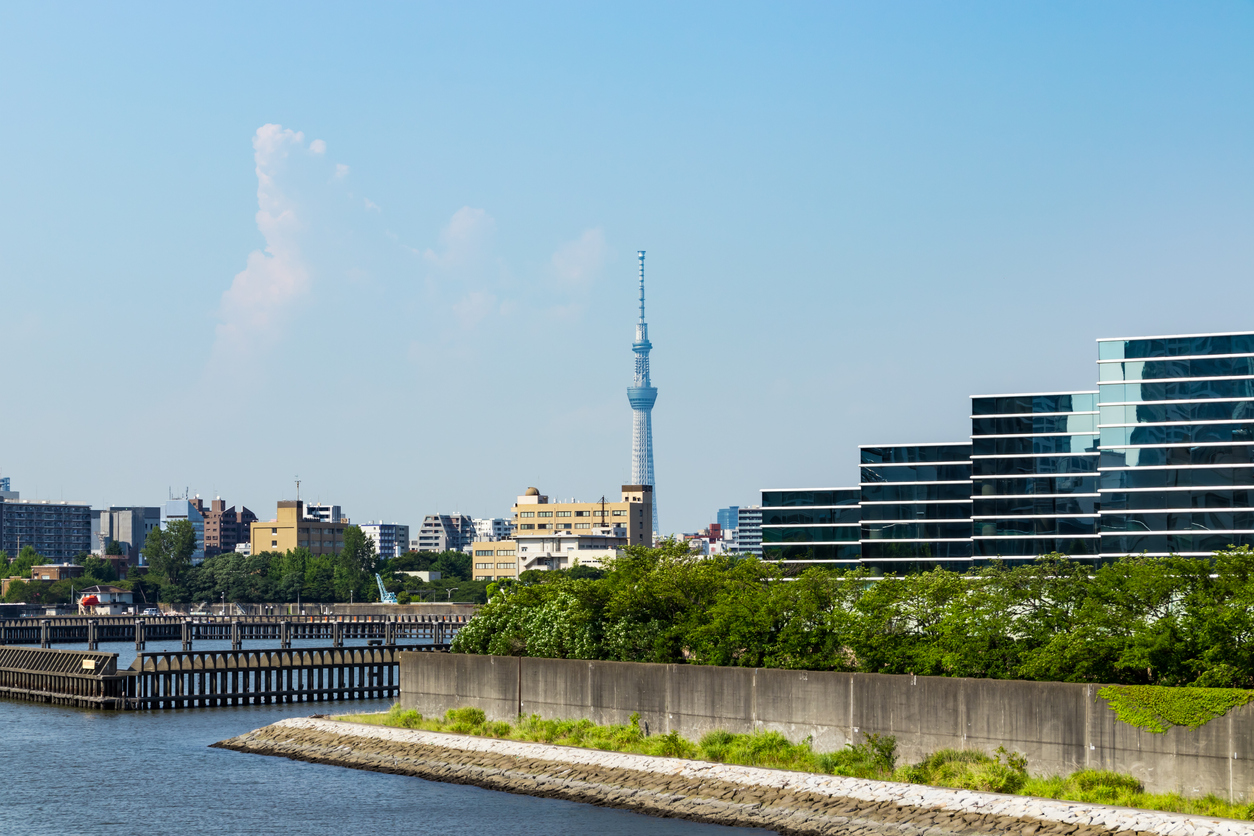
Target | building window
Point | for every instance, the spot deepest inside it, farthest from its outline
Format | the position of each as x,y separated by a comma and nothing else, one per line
542,525
563,513
274,531
581,513
526,513
544,514
504,552
274,543
483,552
505,565
527,526
620,513
483,565
583,525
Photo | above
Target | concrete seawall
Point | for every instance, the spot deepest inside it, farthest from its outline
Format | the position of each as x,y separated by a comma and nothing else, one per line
786,802
1061,727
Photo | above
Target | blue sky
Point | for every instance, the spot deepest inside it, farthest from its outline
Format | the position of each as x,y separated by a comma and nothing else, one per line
391,249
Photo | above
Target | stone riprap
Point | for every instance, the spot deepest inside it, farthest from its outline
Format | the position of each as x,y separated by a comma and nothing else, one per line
786,802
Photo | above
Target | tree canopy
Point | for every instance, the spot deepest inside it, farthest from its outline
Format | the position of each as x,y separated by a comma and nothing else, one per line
1137,620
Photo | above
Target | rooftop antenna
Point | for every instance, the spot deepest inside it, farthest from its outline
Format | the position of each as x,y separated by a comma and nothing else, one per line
298,488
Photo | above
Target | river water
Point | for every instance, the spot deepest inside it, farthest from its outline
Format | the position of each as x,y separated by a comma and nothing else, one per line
74,771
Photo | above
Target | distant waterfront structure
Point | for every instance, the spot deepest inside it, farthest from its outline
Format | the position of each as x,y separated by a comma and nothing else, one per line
291,529
642,395
1158,461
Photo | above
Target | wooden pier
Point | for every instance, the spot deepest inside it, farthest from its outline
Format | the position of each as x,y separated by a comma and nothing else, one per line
282,629
186,679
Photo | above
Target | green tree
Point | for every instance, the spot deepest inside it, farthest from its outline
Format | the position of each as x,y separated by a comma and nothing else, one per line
359,552
114,549
169,550
18,593
100,568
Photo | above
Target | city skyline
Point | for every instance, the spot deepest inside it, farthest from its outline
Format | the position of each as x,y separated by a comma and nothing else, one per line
379,250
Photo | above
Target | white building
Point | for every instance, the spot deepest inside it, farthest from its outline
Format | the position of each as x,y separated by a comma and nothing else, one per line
183,509
491,529
390,539
105,600
324,513
748,536
564,549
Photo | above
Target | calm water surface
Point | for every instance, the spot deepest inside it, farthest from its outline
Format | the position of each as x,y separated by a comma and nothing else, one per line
73,771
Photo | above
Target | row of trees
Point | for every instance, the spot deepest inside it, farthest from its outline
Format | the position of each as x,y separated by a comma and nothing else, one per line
275,577
1166,621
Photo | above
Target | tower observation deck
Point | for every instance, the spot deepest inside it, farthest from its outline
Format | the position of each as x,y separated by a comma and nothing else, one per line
642,395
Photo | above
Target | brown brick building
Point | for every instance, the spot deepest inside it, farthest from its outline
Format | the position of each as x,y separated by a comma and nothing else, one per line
224,527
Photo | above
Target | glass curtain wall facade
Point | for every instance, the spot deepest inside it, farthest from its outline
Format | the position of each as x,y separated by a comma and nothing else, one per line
812,525
1176,416
916,507
1034,475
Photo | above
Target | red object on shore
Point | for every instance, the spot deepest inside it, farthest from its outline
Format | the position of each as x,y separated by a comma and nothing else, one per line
88,601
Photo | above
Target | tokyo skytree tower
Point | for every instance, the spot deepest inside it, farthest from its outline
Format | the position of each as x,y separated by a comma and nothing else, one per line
642,395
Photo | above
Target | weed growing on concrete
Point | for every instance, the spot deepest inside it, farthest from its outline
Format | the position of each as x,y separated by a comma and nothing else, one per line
874,758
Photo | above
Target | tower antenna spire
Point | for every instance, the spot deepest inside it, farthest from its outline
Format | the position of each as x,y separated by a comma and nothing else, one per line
642,394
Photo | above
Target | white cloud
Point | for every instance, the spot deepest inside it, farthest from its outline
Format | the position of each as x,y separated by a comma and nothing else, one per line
253,308
577,262
465,240
341,171
474,307
370,204
317,147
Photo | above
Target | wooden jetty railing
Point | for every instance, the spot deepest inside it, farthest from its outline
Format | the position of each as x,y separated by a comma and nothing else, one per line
61,677
92,630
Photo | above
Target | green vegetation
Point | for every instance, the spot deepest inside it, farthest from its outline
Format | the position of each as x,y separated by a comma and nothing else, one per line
1155,708
875,758
1135,621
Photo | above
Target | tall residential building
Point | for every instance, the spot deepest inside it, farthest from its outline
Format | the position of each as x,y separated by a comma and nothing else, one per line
291,529
559,535
748,533
128,526
804,526
1034,475
225,528
186,509
57,530
492,528
1176,417
642,394
324,513
446,532
390,539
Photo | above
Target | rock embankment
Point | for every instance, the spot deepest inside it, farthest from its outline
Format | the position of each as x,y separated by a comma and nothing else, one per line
786,802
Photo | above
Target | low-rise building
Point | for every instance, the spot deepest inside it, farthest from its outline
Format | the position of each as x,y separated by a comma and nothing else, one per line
56,572
105,600
560,535
291,529
490,529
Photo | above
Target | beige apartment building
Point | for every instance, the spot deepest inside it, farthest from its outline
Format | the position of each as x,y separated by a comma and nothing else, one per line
558,535
291,529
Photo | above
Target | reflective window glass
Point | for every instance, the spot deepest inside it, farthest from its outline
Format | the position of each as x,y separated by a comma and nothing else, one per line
915,493
810,534
926,511
1184,478
1025,425
916,473
789,499
1164,456
1034,485
800,551
1035,464
802,516
1033,546
1028,445
1035,505
881,549
1179,346
913,455
1171,543
1182,390
914,530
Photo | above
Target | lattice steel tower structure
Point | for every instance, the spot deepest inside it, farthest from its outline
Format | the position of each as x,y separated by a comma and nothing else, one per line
642,395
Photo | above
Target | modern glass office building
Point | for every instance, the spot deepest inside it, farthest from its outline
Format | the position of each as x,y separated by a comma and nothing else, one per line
1034,475
811,525
1177,443
916,507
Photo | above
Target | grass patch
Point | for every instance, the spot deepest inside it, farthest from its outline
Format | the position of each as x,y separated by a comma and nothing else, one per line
875,758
